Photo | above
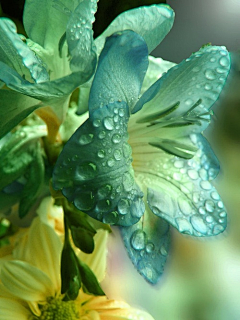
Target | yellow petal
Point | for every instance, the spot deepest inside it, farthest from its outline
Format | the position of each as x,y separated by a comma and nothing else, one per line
26,281
97,261
13,310
42,249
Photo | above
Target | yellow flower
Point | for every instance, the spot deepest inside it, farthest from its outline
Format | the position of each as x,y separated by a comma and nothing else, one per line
30,287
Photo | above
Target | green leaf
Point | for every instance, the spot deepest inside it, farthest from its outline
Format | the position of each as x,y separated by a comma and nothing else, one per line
82,239
89,281
70,275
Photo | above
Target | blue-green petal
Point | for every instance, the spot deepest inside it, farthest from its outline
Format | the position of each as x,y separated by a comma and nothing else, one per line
79,36
193,85
180,192
94,170
148,243
121,70
151,22
17,55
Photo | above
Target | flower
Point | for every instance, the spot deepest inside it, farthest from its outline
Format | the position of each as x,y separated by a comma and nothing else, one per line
146,155
30,282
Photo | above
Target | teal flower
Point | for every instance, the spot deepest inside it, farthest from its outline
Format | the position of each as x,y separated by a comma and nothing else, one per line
45,68
140,161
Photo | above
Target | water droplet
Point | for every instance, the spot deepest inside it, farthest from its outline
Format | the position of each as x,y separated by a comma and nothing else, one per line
207,87
115,118
185,206
221,220
220,204
123,206
206,185
127,150
184,226
209,205
86,171
86,139
178,164
96,123
121,112
101,154
196,69
150,247
193,174
163,251
212,60
116,138
198,224
203,174
108,123
221,70
110,162
201,210
128,181
138,240
177,176
210,74
218,229
223,214
189,102
104,191
117,154
196,197
224,62
111,217
102,135
84,201
103,205
209,219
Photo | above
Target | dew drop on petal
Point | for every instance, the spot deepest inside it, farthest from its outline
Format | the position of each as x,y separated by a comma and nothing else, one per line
163,250
223,214
218,229
206,185
150,247
117,154
85,139
138,240
116,138
111,162
111,217
101,154
215,195
123,206
108,123
84,201
209,205
224,62
86,171
184,226
184,206
128,181
104,191
202,210
210,74
209,219
192,174
198,224
220,204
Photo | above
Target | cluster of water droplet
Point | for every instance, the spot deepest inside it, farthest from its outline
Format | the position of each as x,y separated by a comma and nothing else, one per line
94,170
180,191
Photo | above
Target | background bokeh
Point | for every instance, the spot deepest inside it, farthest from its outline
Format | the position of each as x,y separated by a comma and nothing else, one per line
202,277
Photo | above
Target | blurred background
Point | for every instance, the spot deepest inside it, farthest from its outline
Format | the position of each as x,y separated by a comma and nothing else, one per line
202,277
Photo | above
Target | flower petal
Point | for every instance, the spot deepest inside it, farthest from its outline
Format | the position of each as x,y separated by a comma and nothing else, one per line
26,281
179,191
151,22
12,310
80,36
196,81
121,70
147,243
14,108
94,169
48,258
16,54
97,261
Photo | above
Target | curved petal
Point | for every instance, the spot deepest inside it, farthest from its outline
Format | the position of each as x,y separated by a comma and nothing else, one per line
121,70
43,250
50,25
15,107
151,22
94,169
188,89
26,281
16,54
12,310
80,36
97,261
179,191
147,243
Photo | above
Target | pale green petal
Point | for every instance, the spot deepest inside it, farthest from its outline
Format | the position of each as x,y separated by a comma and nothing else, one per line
152,23
12,310
26,281
45,21
15,107
16,54
97,261
43,250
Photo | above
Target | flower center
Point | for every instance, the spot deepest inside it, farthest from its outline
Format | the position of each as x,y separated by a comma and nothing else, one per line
56,309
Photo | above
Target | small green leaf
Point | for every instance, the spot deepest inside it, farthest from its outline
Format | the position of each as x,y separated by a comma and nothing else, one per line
82,239
70,275
89,281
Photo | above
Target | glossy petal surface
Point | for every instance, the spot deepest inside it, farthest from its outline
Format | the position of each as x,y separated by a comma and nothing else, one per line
121,70
94,169
80,35
147,243
151,22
